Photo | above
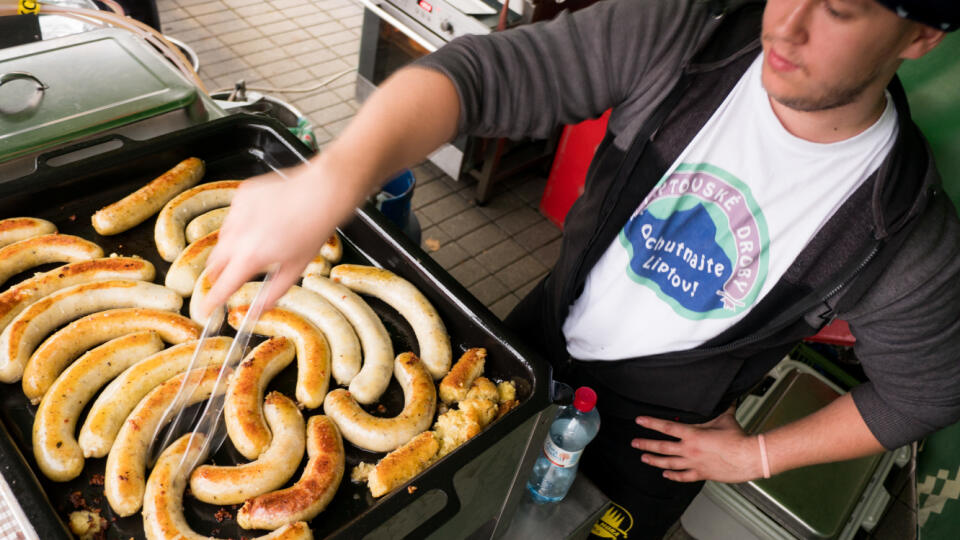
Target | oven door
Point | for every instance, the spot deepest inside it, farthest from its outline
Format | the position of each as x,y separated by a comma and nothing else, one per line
389,40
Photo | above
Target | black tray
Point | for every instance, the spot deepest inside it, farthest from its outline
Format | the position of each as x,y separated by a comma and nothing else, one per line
67,192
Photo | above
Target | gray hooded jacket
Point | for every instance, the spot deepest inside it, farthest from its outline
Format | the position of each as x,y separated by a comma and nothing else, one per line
888,262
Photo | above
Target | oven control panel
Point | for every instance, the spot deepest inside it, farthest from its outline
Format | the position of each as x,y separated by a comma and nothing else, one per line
443,19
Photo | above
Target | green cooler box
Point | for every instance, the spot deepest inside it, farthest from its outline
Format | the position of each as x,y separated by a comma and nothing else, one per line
830,501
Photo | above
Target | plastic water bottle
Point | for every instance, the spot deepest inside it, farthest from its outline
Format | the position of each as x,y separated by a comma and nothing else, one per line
575,426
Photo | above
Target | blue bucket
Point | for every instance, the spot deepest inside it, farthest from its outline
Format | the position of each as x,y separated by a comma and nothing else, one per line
394,202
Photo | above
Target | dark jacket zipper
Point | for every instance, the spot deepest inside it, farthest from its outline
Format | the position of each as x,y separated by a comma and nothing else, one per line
624,169
771,330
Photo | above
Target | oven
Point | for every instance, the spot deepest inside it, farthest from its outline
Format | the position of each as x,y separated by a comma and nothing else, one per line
397,32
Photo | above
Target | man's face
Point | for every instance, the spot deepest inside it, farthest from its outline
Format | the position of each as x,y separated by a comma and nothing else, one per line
822,54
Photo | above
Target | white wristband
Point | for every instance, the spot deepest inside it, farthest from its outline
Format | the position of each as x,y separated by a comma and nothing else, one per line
764,461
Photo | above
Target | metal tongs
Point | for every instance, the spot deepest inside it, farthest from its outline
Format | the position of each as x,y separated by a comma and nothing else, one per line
210,422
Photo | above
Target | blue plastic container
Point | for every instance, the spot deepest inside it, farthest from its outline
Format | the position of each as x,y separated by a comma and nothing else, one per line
394,202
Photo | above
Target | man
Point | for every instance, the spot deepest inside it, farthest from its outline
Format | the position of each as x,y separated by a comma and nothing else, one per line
760,176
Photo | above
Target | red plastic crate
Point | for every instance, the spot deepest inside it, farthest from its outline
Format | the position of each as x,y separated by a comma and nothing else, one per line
835,333
575,151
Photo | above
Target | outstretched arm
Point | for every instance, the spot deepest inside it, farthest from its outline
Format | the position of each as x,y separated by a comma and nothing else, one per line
286,222
519,83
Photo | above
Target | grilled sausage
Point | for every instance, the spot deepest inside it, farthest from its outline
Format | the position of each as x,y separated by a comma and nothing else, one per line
17,229
17,298
344,345
169,230
399,466
49,248
233,485
332,249
21,337
385,434
114,404
205,224
57,452
313,353
373,378
312,493
163,499
319,265
136,207
125,474
242,410
61,348
406,299
188,265
200,290
456,384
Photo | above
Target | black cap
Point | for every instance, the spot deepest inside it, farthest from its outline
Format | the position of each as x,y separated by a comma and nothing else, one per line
940,14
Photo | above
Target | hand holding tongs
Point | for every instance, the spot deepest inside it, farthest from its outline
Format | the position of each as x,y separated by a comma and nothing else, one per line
209,423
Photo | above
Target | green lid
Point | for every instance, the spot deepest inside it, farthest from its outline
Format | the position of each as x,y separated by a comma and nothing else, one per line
93,82
812,502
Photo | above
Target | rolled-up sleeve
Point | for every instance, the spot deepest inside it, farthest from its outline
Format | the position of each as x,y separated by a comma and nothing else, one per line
526,81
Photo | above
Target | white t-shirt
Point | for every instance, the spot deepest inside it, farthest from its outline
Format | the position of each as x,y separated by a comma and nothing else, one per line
719,229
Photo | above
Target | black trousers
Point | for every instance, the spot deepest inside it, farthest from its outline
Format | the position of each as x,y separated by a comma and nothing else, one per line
649,503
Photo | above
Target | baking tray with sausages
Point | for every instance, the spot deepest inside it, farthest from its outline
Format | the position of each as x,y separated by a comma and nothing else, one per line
67,189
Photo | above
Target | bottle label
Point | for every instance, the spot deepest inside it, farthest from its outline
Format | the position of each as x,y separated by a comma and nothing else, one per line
558,456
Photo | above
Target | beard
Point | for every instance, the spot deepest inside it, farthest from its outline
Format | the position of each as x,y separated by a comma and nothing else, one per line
828,96
827,99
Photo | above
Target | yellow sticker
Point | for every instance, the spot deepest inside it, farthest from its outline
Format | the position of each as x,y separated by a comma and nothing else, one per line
614,523
27,7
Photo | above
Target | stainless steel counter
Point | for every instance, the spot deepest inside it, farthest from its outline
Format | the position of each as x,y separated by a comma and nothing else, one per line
571,518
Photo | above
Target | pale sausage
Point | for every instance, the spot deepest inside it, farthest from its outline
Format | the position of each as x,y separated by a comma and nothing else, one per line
233,485
17,229
374,376
66,344
243,408
186,268
406,299
54,445
21,337
124,477
49,248
313,353
169,230
378,434
114,404
318,265
332,249
206,223
163,500
344,346
17,298
136,207
312,493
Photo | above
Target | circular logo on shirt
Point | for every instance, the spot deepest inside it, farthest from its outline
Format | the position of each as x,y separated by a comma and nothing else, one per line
700,242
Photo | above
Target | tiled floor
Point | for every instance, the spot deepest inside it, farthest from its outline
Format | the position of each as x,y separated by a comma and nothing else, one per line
498,251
